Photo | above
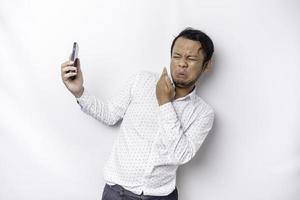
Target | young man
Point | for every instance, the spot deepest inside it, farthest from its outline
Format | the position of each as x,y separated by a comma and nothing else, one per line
164,122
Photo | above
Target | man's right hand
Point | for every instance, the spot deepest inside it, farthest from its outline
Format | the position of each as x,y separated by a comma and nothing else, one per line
70,69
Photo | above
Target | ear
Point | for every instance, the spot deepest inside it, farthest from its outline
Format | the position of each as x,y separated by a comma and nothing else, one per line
207,66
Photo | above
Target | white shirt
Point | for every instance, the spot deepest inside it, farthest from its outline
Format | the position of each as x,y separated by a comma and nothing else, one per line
153,140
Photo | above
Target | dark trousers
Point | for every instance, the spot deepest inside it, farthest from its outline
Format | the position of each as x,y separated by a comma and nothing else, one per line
117,192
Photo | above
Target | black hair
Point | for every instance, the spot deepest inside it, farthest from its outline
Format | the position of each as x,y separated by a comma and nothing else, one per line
197,35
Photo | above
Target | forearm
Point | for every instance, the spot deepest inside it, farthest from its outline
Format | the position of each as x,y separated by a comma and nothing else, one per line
179,141
175,142
96,108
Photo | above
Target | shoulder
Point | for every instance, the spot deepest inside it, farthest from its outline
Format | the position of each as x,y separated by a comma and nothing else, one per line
146,76
143,81
204,109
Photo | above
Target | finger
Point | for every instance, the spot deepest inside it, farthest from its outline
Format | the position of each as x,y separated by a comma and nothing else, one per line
68,69
164,72
68,75
167,78
77,64
168,81
67,63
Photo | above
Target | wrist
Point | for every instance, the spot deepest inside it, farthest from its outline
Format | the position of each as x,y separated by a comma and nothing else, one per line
79,94
163,101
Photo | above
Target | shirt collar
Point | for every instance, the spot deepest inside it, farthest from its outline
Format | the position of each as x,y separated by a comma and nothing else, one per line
191,95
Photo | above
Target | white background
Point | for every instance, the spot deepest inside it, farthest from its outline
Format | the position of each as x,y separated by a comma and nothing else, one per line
49,149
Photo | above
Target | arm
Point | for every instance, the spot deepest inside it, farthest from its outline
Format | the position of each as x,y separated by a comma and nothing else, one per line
109,112
182,146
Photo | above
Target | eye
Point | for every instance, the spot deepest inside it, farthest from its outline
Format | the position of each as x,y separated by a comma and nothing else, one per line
192,59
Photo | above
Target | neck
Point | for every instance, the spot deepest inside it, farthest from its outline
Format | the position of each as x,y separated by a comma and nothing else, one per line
181,92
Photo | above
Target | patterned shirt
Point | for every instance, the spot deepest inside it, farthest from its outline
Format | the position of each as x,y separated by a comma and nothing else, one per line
152,140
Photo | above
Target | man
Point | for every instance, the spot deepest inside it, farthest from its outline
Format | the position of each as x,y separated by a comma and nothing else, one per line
163,124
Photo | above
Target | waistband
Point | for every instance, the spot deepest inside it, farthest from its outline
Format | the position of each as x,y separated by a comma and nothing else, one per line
123,191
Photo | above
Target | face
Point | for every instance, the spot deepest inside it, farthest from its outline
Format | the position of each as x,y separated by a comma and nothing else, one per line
186,62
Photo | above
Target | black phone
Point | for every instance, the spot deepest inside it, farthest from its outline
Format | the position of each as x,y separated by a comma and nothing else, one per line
74,55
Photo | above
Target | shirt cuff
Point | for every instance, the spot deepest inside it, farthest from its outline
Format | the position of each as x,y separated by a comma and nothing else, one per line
83,98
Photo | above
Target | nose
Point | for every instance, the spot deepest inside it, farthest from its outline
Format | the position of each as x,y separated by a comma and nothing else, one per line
182,63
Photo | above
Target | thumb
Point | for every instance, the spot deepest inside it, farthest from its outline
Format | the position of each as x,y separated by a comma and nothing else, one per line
165,71
77,64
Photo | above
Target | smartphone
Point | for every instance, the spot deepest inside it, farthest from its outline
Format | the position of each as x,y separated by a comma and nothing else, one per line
74,55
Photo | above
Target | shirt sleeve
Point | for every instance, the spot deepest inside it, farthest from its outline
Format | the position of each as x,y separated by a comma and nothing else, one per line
181,146
111,111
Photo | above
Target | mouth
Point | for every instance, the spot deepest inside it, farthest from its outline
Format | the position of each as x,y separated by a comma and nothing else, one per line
181,74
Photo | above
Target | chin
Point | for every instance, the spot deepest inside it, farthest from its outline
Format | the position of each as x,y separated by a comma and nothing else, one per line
181,84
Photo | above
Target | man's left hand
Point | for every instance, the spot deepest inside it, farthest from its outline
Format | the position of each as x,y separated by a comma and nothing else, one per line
165,92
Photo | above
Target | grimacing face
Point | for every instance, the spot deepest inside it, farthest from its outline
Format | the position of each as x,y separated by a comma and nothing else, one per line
186,62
